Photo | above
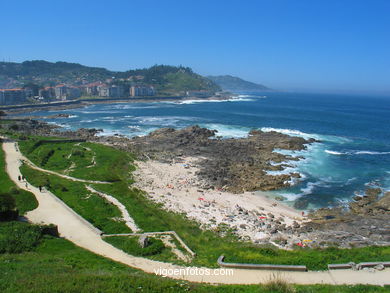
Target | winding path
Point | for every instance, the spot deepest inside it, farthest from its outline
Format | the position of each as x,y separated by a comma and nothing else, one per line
129,221
32,165
74,228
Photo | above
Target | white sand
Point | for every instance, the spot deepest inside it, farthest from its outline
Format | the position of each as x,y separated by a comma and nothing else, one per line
177,187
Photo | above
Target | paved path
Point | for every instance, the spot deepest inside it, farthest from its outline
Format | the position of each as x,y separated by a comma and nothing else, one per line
75,229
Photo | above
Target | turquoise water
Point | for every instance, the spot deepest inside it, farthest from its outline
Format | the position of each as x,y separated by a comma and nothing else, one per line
354,131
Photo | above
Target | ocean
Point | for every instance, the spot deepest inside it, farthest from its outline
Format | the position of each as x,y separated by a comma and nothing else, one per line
354,134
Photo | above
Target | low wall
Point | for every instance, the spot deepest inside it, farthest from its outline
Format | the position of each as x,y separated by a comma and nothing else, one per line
260,266
361,265
80,218
156,233
61,140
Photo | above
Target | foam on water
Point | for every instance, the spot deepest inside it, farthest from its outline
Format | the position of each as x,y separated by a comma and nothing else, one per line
371,153
197,101
165,121
289,195
320,137
333,153
227,131
285,171
356,153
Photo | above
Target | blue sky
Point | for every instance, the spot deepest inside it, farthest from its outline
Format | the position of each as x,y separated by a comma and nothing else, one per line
333,45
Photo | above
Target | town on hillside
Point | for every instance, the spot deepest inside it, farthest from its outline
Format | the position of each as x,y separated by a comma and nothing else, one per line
35,82
64,92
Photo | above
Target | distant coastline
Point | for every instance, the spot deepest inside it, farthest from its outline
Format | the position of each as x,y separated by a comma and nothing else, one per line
80,103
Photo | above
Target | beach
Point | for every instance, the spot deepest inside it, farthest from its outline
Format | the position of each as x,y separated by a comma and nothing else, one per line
252,216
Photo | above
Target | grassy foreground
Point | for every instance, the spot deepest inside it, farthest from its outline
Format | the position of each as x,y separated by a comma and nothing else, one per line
34,262
208,245
57,265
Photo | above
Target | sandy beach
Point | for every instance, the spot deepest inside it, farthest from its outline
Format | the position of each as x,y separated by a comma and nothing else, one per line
252,215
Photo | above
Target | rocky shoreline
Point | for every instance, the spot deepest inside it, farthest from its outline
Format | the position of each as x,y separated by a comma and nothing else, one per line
235,165
232,169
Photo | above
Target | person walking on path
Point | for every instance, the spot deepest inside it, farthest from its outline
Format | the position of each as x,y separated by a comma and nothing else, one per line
19,178
40,188
26,185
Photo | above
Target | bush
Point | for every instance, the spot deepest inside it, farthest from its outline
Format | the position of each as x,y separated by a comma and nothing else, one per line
14,190
8,211
7,202
17,237
278,285
78,153
46,158
131,246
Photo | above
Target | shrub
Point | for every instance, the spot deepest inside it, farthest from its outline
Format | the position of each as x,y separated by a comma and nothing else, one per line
17,237
131,246
46,158
14,190
278,285
78,153
7,202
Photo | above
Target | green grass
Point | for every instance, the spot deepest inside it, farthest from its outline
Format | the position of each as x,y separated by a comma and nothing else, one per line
156,249
60,157
209,246
56,265
18,237
25,201
90,206
151,217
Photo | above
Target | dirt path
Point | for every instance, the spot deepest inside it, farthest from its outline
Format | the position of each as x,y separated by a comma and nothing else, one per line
74,228
125,214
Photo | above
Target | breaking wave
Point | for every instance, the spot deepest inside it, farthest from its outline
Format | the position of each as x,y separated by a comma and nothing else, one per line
227,131
356,153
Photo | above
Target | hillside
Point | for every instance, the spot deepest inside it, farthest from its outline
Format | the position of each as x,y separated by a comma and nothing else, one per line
167,79
232,83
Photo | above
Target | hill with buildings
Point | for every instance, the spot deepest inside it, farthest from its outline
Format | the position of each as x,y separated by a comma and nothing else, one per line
45,81
232,83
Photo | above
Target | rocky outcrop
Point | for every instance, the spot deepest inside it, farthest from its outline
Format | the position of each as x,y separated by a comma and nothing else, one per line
235,165
37,128
366,221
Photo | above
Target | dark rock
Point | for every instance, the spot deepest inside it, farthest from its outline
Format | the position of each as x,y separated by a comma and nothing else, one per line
143,241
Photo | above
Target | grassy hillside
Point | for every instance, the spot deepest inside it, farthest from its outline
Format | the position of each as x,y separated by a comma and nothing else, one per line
166,79
232,83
